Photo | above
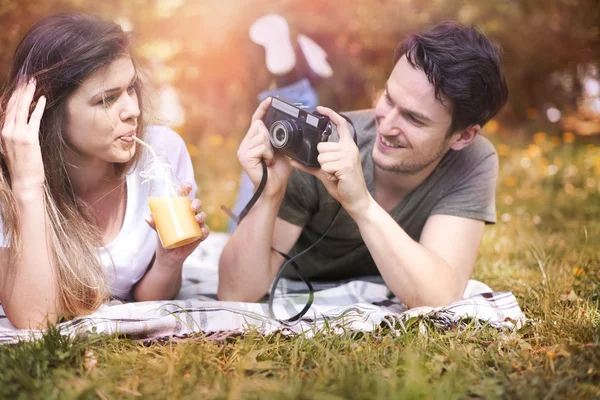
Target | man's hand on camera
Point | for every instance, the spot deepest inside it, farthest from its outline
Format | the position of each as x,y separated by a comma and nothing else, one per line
256,145
341,170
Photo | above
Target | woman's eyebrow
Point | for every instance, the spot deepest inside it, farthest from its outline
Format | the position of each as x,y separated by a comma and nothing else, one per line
103,92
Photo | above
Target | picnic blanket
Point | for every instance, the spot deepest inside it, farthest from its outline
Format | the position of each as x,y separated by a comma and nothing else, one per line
364,304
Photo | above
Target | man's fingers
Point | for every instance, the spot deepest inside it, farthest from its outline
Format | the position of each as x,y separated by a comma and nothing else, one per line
328,157
327,147
333,116
302,167
320,173
259,132
261,151
252,139
331,167
338,121
256,134
262,109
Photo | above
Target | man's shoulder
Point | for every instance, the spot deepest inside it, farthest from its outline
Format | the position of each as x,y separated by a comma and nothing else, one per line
364,123
361,118
480,151
482,145
479,158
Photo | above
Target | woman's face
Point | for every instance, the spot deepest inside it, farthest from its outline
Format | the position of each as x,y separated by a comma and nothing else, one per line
102,115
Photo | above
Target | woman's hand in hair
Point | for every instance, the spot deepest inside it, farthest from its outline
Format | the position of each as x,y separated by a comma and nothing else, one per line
179,254
20,138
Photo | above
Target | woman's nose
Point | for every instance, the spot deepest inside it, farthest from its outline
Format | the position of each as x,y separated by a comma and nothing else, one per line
131,108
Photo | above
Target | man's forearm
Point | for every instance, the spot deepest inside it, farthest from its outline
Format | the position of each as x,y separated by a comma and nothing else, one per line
415,274
161,282
245,266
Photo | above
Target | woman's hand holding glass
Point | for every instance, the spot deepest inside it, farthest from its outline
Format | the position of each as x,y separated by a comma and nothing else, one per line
179,254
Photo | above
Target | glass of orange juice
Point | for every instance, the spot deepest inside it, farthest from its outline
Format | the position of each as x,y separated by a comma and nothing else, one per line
170,207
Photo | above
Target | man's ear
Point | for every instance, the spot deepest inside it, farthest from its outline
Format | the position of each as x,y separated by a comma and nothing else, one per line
465,137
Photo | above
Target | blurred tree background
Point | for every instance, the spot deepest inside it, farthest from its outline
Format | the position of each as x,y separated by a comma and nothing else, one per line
205,73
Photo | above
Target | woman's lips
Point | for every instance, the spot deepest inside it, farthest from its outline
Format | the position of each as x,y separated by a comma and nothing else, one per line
127,138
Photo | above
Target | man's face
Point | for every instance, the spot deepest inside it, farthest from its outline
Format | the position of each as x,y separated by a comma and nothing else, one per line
411,123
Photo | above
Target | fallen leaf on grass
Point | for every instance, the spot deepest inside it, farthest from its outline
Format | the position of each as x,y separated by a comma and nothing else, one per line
570,296
90,361
250,363
130,391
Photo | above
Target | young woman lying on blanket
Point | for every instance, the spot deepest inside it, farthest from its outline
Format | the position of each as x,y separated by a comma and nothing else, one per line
72,202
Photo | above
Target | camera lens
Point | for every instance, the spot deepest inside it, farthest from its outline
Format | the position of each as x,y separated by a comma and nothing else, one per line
282,133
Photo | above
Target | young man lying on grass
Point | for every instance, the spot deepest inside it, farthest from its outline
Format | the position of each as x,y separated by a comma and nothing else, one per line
415,192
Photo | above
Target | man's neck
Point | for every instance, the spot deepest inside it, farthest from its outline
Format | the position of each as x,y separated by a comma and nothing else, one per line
392,187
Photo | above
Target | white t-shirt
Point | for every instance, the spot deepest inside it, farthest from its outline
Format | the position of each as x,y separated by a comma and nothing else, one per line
128,256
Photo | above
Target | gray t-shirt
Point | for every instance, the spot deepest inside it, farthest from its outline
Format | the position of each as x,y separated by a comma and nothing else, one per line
463,184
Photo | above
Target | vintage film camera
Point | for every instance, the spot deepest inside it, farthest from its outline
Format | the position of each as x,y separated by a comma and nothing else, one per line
296,132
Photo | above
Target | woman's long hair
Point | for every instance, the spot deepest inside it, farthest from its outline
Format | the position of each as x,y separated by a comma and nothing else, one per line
61,52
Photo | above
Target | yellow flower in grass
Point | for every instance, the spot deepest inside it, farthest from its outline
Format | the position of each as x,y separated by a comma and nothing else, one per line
568,137
578,271
539,138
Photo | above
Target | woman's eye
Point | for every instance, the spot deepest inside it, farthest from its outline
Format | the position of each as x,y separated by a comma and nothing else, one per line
105,101
388,99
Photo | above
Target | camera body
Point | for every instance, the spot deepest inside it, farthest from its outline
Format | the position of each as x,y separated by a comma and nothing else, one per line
296,132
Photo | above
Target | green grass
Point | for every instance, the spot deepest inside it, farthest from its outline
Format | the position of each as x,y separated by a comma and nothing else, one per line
546,246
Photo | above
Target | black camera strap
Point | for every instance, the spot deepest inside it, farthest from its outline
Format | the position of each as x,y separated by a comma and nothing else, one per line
290,260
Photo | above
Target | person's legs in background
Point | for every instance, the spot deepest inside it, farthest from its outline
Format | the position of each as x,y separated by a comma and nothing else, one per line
292,83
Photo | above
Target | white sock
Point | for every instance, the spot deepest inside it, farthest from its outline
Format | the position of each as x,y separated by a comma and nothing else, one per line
273,33
315,56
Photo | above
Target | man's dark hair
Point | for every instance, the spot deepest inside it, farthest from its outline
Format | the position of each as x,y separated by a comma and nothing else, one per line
462,64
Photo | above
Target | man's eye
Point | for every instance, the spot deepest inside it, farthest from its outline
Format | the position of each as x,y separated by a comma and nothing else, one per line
388,99
414,120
